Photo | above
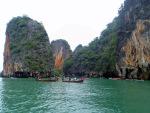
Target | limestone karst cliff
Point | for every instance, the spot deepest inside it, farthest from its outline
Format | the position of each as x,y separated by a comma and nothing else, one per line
137,47
61,51
59,60
27,47
133,53
7,57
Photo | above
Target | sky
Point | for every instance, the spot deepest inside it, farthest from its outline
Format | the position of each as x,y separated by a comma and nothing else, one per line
76,21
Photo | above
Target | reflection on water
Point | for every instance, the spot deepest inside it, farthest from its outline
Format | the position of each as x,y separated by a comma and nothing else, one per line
92,96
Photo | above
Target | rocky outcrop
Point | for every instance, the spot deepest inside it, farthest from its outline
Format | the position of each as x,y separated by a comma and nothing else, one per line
59,60
7,65
27,47
133,49
61,51
137,51
137,48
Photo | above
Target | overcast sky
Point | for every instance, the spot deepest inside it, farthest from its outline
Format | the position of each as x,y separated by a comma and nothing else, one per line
77,21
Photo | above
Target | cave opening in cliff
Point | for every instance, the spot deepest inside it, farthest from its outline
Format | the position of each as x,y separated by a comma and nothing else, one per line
21,74
24,74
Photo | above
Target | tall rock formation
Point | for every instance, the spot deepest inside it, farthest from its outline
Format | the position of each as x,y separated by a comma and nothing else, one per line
61,51
27,47
133,50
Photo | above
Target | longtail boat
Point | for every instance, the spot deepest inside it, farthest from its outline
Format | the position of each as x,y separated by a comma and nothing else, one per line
47,79
74,80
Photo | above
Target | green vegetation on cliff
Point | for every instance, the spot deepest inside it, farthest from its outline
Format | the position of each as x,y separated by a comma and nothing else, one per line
29,45
98,56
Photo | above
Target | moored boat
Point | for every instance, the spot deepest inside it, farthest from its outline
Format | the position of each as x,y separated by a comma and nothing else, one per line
47,79
73,80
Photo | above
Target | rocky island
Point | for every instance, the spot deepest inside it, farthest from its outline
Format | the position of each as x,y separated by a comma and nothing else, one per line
27,48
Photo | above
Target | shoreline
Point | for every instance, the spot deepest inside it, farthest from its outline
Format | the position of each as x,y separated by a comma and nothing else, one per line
111,78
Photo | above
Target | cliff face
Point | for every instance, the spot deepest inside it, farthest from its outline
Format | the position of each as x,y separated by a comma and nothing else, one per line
7,66
133,53
61,51
137,52
27,47
137,48
59,60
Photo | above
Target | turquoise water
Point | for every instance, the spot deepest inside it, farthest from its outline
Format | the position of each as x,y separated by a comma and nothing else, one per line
92,96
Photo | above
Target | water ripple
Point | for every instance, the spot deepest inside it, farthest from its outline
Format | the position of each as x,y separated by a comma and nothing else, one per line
93,96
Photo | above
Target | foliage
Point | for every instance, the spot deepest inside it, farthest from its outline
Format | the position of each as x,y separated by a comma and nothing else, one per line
56,72
29,44
67,64
98,56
